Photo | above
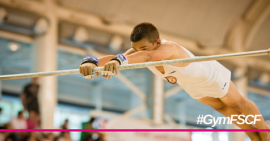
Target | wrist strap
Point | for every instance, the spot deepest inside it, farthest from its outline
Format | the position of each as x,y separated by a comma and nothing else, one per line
116,60
121,59
89,59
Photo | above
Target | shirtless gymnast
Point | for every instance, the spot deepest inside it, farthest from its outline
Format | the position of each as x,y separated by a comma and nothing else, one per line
208,82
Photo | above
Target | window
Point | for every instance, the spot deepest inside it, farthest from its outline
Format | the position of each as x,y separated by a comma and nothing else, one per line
10,107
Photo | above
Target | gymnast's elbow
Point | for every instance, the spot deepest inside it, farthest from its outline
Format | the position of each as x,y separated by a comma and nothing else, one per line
147,56
151,56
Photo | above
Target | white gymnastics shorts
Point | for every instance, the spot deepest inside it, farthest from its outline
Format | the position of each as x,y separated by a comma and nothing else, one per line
215,86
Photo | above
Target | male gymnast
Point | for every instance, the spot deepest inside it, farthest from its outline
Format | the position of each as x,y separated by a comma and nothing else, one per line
208,82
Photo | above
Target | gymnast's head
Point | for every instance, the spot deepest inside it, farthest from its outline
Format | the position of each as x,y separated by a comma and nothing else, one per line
145,36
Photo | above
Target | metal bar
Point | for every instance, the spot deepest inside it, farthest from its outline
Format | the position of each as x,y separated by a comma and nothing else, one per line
142,65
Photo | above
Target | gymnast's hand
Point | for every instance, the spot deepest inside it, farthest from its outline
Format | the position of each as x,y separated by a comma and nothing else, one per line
112,67
86,69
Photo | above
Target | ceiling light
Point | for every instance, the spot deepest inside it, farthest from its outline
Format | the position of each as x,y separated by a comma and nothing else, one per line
13,46
264,78
41,26
116,43
80,35
239,72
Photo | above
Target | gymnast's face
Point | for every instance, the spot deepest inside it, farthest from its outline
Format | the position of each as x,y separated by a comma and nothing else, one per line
145,45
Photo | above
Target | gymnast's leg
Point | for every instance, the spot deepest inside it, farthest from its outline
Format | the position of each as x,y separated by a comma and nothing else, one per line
239,103
219,106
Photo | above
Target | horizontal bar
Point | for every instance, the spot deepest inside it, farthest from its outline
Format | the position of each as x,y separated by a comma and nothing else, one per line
142,65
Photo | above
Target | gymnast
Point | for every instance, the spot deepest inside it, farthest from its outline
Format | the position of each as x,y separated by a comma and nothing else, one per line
208,82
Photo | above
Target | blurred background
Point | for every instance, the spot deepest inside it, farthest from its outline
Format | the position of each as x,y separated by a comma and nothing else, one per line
49,35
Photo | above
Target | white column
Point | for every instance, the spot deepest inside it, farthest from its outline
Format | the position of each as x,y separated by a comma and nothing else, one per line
241,80
157,100
241,83
45,59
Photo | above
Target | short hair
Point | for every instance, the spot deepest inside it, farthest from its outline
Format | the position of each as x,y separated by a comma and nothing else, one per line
20,112
92,120
144,31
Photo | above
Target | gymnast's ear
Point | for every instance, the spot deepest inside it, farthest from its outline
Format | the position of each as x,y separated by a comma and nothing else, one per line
158,42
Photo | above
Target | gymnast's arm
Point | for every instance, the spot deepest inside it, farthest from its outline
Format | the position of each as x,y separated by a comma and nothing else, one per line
86,68
105,59
161,53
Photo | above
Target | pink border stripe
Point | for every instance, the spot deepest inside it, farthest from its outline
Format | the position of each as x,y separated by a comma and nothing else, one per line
134,130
